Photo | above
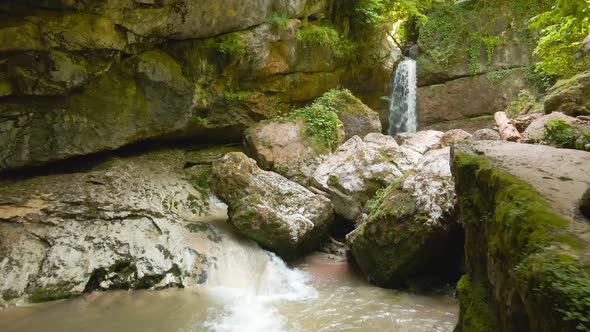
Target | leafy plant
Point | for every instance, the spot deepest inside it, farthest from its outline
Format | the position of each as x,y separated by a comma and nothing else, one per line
564,135
312,36
562,30
279,22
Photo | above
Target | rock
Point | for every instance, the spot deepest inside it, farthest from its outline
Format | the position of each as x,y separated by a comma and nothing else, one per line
358,119
468,98
454,136
359,168
570,97
123,223
536,130
282,146
486,135
519,206
81,78
279,214
411,229
422,141
585,204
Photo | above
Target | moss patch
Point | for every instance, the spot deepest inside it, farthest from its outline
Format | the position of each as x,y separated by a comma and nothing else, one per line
513,235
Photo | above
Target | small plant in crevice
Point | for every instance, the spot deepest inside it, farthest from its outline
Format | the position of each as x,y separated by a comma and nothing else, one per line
313,36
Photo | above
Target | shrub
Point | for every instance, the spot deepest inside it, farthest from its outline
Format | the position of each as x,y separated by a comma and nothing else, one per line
564,135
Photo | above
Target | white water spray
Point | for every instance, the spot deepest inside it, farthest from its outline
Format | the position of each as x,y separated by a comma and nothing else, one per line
402,104
247,282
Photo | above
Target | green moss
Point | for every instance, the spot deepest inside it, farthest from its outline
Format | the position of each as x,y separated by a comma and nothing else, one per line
314,36
45,294
564,135
476,311
525,97
507,221
278,23
232,46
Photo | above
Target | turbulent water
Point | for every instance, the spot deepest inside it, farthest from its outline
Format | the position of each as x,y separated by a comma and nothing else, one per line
248,290
402,104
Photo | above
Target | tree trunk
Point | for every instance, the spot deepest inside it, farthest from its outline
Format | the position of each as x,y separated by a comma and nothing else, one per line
507,131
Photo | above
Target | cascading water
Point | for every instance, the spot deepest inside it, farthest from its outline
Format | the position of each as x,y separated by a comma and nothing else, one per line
402,103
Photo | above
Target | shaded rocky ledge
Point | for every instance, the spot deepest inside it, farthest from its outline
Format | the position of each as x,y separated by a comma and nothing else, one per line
527,245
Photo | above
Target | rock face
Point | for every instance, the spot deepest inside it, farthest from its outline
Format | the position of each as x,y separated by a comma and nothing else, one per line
80,77
468,98
278,214
571,97
454,136
411,229
525,239
422,141
359,168
125,223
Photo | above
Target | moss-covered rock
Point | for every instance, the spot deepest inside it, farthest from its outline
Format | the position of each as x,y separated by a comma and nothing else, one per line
571,96
526,250
280,215
410,231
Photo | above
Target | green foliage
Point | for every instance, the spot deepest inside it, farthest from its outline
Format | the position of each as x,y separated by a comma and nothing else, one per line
234,97
321,119
231,46
313,36
279,22
562,30
524,97
476,310
561,280
564,135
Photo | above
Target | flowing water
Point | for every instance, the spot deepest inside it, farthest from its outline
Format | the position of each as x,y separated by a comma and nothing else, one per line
402,105
249,290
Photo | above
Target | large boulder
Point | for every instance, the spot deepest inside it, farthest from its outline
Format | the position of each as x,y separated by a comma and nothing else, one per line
284,147
411,230
279,214
525,239
357,118
126,222
535,132
571,96
359,168
486,135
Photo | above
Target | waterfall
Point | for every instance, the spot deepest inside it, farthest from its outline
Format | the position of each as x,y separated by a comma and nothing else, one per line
402,103
247,283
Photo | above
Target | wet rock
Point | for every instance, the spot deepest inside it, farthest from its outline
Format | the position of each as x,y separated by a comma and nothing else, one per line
411,229
124,223
585,204
359,168
279,214
486,135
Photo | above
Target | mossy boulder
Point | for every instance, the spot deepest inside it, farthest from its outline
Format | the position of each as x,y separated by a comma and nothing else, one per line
571,96
284,147
526,245
359,168
357,118
411,230
280,215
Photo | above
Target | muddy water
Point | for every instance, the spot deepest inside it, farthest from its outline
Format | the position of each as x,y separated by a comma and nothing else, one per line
249,290
323,295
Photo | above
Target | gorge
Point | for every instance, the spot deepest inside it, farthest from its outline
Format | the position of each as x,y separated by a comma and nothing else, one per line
294,165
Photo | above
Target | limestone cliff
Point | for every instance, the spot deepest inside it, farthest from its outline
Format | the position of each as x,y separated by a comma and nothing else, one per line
79,77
